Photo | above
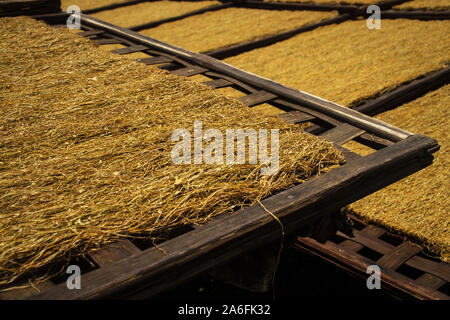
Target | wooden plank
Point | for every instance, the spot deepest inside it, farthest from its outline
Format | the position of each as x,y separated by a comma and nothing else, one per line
189,71
230,235
342,133
369,241
130,49
370,230
331,109
107,41
256,98
154,60
113,6
52,18
12,8
296,117
218,83
430,281
399,255
304,109
357,264
438,269
239,48
114,252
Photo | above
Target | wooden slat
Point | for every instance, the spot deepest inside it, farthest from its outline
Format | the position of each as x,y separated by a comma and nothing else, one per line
399,255
218,83
130,49
296,117
358,264
154,60
114,252
314,113
405,93
370,230
90,33
107,41
52,18
192,253
331,109
439,269
430,281
371,139
256,98
189,71
342,133
369,241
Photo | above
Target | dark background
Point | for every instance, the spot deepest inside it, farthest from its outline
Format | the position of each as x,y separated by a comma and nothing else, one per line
299,275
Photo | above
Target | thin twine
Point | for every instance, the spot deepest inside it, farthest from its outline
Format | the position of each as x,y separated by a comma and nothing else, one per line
281,247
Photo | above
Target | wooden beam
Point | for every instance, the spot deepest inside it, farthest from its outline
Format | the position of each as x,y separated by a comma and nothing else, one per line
342,133
218,83
130,49
256,98
417,14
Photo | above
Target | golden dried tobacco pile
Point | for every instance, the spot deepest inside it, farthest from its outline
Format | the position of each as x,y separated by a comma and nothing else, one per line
347,63
226,27
85,149
146,12
419,204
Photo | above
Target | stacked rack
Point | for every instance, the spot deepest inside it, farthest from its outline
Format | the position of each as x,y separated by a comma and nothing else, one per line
126,270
